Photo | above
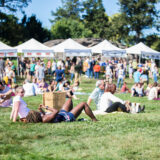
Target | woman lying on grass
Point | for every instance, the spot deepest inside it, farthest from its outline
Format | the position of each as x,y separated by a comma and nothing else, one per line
66,114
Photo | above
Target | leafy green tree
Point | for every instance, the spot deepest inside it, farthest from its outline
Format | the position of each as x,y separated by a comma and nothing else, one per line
118,30
13,5
95,18
70,9
153,41
69,28
139,15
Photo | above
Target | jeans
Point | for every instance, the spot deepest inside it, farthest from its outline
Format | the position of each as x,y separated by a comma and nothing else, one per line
120,80
115,106
49,71
72,76
96,75
90,73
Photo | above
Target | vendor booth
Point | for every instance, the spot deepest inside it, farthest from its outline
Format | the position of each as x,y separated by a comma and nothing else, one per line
71,48
33,48
7,51
107,49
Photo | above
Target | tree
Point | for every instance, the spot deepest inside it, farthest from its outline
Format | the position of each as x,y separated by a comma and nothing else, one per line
69,28
13,5
95,18
10,29
153,41
70,9
33,29
139,15
118,30
12,32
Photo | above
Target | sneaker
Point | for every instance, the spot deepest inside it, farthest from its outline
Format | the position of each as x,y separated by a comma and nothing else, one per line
82,119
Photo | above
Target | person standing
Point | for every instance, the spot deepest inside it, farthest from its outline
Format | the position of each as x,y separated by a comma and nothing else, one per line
32,69
49,63
59,73
120,77
54,67
96,69
2,68
40,71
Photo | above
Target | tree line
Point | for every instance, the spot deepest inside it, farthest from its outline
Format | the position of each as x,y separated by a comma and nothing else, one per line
85,19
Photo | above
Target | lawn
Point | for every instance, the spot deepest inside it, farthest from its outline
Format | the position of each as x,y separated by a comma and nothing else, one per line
116,136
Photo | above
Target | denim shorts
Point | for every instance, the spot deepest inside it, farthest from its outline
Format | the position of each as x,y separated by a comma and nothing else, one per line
68,116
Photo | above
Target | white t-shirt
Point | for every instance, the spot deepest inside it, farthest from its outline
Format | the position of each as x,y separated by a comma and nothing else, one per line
121,73
152,93
107,99
23,109
29,89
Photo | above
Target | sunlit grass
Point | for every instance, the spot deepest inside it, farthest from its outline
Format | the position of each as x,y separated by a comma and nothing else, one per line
115,136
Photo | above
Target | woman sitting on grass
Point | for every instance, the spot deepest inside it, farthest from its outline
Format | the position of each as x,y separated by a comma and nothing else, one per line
66,114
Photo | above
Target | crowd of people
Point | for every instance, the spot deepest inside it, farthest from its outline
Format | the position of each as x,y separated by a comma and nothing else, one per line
36,71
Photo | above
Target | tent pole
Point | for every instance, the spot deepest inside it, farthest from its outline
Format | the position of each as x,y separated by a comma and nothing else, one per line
17,66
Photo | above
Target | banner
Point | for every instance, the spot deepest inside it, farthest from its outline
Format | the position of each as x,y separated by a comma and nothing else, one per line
77,52
8,53
149,55
38,53
114,53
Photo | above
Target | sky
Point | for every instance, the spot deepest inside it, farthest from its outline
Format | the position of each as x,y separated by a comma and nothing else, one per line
42,9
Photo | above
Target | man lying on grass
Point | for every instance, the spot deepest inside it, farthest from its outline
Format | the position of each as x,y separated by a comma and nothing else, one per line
66,114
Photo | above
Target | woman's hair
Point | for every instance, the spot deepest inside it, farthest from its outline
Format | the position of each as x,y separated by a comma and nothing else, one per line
155,84
19,88
110,88
34,117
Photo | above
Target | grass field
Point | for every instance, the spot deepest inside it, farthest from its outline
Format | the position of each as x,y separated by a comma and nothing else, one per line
116,136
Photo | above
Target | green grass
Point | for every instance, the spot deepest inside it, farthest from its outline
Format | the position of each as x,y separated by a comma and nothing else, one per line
116,136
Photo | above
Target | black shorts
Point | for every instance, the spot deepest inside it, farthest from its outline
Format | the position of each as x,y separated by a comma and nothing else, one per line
31,73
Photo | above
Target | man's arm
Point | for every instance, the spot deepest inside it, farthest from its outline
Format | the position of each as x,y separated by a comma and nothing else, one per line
48,117
89,101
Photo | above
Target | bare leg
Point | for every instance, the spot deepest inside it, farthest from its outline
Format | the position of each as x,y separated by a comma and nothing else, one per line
68,105
78,109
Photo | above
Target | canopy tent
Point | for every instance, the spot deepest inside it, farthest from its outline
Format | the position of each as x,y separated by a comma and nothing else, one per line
72,48
139,48
33,48
108,50
7,51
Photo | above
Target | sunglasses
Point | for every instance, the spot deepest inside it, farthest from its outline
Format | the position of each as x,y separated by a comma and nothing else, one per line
22,91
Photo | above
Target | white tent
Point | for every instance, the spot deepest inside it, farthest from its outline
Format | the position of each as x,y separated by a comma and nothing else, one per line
138,48
108,49
144,51
72,48
7,51
33,48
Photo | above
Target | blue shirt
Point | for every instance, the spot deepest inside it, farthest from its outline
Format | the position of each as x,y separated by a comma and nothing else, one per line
136,76
96,96
59,74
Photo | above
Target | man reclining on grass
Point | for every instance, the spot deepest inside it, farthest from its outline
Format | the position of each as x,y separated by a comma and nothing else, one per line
66,114
108,102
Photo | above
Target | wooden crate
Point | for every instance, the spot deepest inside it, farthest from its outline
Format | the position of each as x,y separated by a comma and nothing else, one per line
54,99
